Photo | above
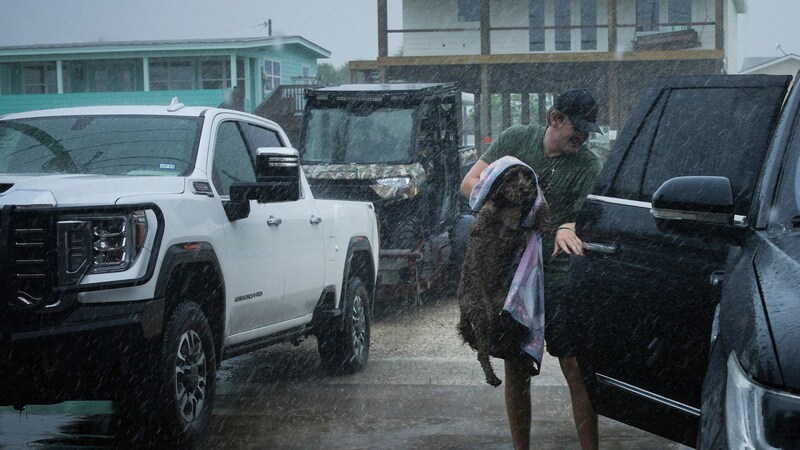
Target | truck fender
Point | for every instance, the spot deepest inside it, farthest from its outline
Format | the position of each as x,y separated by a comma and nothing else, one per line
194,253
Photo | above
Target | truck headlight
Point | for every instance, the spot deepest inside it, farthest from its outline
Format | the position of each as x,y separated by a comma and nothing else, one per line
395,187
757,416
99,243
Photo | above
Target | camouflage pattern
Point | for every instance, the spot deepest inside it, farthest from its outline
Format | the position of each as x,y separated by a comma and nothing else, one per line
468,155
414,172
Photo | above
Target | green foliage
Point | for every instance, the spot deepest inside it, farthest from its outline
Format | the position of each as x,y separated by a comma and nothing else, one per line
327,74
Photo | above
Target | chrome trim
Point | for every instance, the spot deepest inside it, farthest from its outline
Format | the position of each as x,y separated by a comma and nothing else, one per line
600,248
619,201
737,219
647,395
674,214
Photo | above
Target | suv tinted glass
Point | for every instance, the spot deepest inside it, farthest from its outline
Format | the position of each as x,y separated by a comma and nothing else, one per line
789,195
661,148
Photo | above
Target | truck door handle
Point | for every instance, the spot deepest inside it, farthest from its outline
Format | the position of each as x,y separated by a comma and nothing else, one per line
314,219
274,221
600,248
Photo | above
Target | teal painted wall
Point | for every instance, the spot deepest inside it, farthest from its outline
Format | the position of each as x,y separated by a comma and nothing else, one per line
29,102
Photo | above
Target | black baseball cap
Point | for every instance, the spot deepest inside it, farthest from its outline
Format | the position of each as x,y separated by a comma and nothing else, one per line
580,107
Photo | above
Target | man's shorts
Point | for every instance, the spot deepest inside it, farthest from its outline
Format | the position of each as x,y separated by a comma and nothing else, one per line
561,332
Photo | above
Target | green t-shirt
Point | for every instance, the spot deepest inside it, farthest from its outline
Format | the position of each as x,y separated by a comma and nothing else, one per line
565,180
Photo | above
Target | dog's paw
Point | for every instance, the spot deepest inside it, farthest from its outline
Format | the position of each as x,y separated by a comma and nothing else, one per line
493,380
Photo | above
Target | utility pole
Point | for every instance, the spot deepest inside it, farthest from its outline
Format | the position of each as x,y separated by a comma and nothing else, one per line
268,25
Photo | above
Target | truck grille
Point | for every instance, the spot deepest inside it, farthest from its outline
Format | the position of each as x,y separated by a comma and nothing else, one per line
28,255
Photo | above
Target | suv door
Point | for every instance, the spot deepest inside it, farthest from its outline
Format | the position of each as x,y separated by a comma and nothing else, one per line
647,298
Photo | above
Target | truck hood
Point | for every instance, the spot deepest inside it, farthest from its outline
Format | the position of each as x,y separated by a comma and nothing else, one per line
82,189
778,269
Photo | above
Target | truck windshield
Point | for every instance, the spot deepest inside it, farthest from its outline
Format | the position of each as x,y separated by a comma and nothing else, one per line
103,145
337,136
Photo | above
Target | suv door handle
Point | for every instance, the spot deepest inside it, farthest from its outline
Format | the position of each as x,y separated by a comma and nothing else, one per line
314,219
600,248
274,221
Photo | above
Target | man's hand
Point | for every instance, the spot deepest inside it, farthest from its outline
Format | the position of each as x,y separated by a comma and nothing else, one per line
567,241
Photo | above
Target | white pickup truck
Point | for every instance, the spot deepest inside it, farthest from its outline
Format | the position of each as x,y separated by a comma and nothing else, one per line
142,245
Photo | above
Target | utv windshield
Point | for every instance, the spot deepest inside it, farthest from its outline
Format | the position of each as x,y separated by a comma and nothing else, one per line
337,136
103,145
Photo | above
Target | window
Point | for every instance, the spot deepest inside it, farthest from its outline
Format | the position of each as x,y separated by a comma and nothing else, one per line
536,25
588,24
166,75
112,75
260,137
647,15
215,74
788,207
563,30
102,145
232,161
679,14
659,151
469,10
271,75
39,78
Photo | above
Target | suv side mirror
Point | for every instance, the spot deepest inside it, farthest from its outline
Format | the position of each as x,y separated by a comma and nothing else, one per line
698,199
696,205
277,180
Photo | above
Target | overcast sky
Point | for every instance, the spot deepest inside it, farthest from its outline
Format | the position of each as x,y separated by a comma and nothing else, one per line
347,28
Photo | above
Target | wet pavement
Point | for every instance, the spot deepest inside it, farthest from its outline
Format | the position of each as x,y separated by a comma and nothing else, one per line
422,388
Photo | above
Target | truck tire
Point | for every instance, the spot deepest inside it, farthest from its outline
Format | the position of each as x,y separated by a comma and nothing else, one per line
344,346
407,234
186,374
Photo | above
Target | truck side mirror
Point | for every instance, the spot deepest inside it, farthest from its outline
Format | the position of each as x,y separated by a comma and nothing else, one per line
277,180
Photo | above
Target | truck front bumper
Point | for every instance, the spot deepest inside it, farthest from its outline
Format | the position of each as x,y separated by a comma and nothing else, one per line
86,353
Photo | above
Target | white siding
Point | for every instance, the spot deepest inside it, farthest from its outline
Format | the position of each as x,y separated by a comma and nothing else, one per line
731,38
443,14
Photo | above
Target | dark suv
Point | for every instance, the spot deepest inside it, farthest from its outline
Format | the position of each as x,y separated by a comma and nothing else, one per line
689,293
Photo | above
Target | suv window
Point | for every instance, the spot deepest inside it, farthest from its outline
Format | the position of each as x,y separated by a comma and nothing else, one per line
789,194
628,180
719,148
232,160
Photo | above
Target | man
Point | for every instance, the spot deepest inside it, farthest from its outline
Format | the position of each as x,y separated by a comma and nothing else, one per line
566,170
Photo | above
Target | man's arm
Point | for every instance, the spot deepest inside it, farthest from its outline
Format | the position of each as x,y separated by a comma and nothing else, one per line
472,177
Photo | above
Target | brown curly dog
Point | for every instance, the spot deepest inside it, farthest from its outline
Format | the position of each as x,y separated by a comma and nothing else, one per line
496,240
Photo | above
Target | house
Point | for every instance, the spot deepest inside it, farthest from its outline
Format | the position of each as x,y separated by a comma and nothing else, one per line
238,73
788,64
520,53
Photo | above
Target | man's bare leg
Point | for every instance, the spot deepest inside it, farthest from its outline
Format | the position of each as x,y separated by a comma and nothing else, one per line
582,411
518,404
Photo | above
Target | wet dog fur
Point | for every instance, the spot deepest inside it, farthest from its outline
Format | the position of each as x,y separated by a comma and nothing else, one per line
496,240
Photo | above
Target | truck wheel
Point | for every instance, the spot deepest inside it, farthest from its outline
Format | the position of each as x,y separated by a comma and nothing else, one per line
186,374
407,234
344,346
